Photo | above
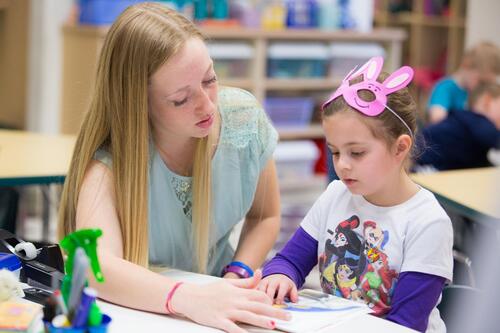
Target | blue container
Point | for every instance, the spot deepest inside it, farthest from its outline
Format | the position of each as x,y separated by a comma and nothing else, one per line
289,111
102,12
10,262
103,328
302,14
296,68
293,60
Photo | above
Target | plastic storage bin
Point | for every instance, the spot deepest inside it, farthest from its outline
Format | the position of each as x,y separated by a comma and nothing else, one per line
10,262
302,13
102,12
345,56
289,111
231,60
289,60
295,159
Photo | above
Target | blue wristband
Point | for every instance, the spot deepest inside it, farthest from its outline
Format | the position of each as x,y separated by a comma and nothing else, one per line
242,265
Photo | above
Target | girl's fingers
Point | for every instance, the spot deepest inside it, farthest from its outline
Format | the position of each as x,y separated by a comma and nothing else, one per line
271,289
294,294
248,317
284,287
268,311
262,286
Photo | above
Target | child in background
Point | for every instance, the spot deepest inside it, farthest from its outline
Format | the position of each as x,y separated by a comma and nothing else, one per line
377,236
463,139
479,64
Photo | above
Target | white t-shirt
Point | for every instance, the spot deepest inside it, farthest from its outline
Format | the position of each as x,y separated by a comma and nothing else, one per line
362,248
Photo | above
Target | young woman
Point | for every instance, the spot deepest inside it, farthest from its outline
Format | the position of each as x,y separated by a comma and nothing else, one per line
166,164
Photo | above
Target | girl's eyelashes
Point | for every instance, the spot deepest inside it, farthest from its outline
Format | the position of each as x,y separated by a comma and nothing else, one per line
357,153
354,154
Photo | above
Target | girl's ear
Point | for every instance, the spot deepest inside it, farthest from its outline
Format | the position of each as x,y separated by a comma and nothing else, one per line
402,146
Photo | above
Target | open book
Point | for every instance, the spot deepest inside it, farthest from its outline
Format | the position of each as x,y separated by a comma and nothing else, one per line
316,310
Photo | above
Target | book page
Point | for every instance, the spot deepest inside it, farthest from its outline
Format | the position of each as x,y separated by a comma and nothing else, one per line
316,310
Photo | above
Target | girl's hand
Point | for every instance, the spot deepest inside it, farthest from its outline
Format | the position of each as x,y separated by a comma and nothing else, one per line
277,286
223,303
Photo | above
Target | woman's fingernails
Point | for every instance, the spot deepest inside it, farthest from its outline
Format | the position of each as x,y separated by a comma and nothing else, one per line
272,324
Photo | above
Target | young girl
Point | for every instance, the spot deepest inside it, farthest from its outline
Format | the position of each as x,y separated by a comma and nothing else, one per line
376,235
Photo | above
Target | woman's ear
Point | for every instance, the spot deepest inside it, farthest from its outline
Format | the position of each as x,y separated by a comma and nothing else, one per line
402,146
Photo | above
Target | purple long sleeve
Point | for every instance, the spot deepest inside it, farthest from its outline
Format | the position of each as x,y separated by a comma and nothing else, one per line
296,259
415,295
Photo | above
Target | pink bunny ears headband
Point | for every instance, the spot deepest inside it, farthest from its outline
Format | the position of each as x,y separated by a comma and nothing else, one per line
370,70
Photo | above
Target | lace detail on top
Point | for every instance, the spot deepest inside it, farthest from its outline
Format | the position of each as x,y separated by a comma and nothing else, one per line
243,118
182,188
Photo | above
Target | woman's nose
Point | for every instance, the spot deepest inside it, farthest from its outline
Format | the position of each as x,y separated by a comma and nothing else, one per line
204,103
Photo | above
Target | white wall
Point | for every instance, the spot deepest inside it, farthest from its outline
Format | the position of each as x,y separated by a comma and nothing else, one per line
45,64
482,22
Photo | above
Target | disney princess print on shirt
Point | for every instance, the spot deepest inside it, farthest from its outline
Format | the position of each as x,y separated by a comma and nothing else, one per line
355,266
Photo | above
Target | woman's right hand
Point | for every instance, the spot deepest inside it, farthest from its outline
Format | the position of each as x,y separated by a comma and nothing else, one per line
223,303
277,286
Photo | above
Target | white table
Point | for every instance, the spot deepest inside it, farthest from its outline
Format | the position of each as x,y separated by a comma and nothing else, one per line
471,192
127,320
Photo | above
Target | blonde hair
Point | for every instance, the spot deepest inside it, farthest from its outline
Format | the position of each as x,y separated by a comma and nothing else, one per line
490,89
485,57
144,37
385,126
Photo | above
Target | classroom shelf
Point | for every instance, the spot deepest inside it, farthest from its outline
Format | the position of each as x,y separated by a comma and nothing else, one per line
246,84
4,4
377,35
314,131
423,20
302,84
421,28
81,46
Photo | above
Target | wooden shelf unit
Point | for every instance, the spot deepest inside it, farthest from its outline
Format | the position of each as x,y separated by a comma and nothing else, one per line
82,45
14,41
4,4
440,32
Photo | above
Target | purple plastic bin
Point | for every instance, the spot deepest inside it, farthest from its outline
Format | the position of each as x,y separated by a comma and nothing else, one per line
102,12
289,111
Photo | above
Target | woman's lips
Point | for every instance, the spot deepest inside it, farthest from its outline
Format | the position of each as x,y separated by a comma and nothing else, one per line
206,123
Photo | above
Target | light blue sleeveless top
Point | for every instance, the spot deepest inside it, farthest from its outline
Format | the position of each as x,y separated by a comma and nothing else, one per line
247,141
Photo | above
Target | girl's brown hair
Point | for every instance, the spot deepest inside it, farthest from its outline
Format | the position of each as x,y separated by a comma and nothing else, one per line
144,37
385,126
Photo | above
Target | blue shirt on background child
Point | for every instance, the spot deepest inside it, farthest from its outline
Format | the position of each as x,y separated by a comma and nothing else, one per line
449,95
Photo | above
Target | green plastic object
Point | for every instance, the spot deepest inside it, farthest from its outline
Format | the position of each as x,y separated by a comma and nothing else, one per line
95,315
86,239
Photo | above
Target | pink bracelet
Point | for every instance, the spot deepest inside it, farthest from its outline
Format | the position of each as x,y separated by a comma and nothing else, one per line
168,304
